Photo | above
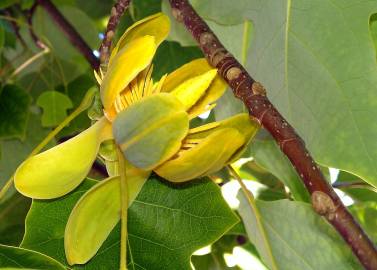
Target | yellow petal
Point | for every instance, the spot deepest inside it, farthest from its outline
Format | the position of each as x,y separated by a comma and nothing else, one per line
191,90
241,122
128,62
214,92
192,69
96,214
59,170
157,25
208,156
92,220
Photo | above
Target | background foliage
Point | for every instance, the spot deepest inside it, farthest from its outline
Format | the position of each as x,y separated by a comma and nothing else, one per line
317,58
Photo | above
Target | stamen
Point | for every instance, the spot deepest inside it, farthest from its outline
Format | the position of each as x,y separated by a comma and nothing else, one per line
98,77
203,128
158,86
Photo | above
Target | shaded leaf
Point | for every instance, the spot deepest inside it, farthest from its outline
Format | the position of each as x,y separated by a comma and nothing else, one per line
268,155
46,28
170,55
215,259
358,192
169,220
7,3
324,76
15,151
227,32
366,214
12,215
14,110
20,258
55,106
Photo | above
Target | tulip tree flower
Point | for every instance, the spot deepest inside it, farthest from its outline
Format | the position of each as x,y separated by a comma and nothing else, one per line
149,122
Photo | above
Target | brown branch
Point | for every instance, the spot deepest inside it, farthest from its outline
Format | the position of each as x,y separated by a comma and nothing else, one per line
29,18
116,13
71,33
354,184
16,29
324,199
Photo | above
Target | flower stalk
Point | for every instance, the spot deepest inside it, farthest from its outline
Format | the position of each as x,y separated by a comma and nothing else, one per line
324,199
124,210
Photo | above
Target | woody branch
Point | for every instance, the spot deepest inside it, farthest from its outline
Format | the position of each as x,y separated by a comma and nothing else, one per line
324,199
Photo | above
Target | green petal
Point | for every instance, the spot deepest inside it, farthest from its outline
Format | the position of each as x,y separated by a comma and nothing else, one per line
157,25
208,156
60,169
242,122
151,130
127,63
96,214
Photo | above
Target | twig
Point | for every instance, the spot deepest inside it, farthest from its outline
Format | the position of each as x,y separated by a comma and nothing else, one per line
27,63
354,184
16,29
116,13
324,199
29,18
71,33
124,210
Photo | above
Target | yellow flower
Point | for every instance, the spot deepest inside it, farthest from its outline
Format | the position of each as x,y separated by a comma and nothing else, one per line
149,121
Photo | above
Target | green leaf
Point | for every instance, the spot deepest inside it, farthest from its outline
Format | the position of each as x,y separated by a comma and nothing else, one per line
268,155
225,12
228,105
373,29
356,190
324,76
170,55
76,92
14,110
15,151
142,9
215,259
226,32
7,3
12,215
297,236
2,37
20,258
55,106
318,63
47,29
169,220
366,214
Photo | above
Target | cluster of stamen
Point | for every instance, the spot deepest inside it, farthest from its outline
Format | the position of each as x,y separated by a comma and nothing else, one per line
142,86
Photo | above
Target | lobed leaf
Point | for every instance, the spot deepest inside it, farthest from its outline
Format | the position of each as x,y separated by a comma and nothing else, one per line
169,220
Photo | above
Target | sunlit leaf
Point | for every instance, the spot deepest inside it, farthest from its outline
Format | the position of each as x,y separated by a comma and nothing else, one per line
292,229
172,221
55,106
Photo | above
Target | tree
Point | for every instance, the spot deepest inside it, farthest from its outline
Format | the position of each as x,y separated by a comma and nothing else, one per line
152,196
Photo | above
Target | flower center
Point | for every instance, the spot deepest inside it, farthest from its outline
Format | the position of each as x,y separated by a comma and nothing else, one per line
140,87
